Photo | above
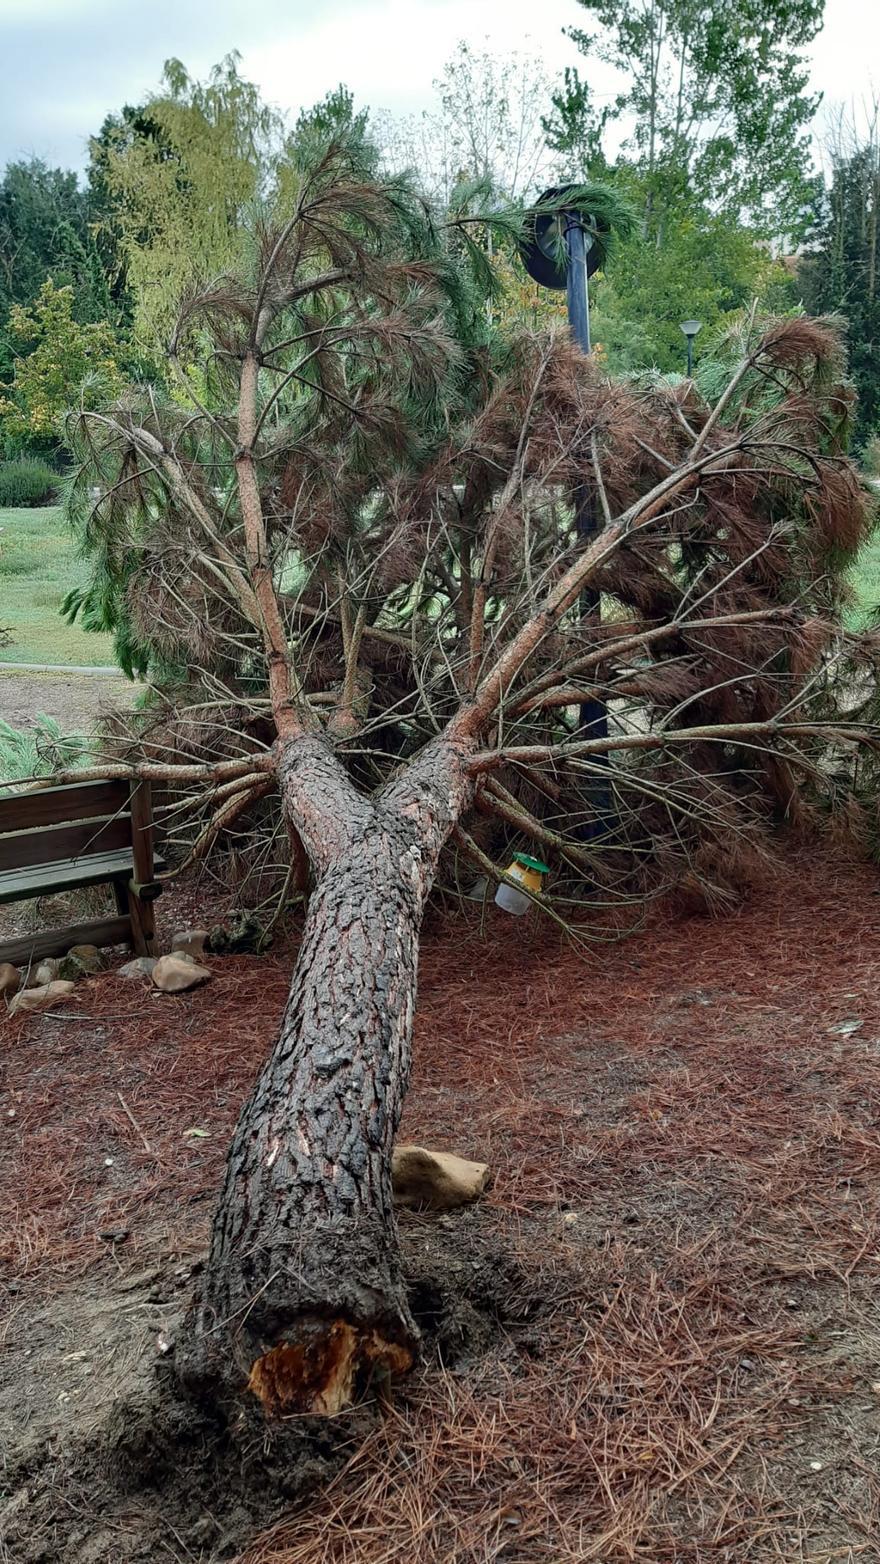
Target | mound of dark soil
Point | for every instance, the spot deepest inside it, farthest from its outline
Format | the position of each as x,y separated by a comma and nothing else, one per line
115,1465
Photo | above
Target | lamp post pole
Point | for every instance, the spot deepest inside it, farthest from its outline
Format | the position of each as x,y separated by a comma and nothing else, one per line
577,287
539,249
593,714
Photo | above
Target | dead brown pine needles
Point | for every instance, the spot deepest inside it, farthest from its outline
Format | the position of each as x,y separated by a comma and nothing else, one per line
685,1134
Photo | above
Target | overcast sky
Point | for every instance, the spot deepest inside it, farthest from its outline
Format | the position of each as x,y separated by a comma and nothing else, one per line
67,63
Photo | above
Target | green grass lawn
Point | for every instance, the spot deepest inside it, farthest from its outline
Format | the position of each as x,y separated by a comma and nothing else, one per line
38,566
865,577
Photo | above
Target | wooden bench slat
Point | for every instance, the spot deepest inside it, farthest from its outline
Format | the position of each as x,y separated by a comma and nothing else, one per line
57,942
58,839
42,880
21,884
78,842
53,805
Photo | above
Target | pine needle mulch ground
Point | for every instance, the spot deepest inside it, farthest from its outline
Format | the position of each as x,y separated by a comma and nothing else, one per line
684,1359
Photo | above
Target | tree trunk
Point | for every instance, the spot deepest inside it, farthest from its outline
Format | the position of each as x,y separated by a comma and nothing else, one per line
302,1298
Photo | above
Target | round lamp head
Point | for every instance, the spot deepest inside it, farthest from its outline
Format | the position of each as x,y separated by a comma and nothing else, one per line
690,327
541,247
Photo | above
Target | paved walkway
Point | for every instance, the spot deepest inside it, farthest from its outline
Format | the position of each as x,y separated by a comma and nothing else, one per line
75,697
58,668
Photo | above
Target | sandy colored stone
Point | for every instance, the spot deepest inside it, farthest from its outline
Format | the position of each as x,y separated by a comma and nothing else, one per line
437,1179
10,979
177,972
44,972
41,998
189,941
138,967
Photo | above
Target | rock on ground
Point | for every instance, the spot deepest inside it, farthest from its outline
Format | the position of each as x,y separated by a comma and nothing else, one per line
436,1179
41,998
44,972
89,956
191,941
177,972
71,968
138,967
10,979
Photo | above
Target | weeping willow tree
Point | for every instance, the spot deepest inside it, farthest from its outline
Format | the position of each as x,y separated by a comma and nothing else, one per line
359,551
176,181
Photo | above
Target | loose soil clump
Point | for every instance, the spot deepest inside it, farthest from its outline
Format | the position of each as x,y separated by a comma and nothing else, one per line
121,1441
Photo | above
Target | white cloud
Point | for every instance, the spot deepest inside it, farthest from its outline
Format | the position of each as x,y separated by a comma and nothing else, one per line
69,62
389,52
846,54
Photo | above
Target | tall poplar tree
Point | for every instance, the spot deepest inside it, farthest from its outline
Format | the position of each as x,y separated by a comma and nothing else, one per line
713,103
840,270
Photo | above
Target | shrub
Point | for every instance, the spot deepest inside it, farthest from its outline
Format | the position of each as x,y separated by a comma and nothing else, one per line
871,457
59,363
26,753
27,482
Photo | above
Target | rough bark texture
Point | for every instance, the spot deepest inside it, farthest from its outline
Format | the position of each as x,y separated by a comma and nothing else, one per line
302,1297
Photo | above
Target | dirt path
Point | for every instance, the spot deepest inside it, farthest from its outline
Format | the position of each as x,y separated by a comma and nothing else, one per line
656,1341
74,697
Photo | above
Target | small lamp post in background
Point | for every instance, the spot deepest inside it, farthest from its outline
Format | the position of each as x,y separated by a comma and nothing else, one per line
690,329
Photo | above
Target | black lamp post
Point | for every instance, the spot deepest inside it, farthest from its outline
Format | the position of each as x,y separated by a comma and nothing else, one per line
690,329
540,252
578,243
570,270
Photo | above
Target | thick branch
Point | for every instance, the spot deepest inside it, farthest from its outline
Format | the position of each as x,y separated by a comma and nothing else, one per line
633,643
478,612
230,572
474,718
289,720
159,771
500,802
712,733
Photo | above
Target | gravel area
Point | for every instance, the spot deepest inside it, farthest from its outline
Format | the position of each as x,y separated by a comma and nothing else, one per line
74,698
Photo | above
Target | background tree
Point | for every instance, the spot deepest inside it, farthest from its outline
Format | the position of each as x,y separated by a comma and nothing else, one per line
361,547
176,181
712,102
45,233
120,133
59,362
708,268
486,129
713,116
839,269
494,132
335,115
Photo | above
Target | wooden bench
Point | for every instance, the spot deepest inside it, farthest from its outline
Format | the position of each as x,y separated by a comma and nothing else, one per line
57,839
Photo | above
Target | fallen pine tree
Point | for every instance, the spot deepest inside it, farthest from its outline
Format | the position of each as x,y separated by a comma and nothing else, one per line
347,549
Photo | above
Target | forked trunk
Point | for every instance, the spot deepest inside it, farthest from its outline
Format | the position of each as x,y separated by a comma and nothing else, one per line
303,1298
